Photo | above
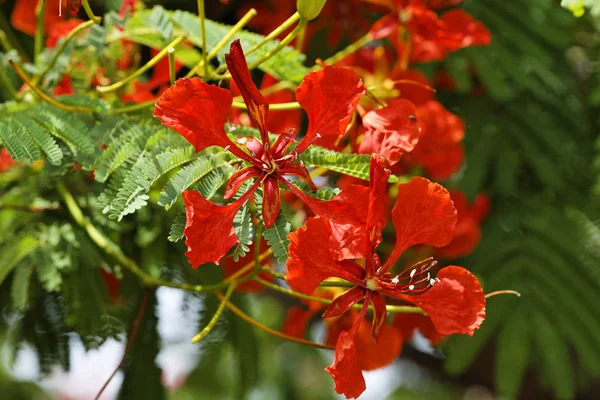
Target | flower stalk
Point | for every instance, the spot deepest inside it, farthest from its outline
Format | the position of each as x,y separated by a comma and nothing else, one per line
40,12
215,318
236,28
90,13
144,68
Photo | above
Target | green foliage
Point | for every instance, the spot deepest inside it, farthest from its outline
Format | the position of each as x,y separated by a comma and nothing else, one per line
276,237
142,374
285,65
242,224
356,165
537,250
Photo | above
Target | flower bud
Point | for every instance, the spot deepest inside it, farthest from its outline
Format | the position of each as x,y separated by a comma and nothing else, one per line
310,9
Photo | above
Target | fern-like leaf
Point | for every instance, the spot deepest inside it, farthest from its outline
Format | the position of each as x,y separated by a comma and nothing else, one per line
276,237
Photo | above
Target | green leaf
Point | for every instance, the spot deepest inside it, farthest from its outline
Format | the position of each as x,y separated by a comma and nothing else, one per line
18,143
19,291
42,138
242,224
276,237
356,165
66,126
14,252
206,175
510,366
159,20
176,232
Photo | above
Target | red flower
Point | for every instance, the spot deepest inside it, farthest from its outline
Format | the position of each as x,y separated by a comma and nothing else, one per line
198,111
439,150
468,231
423,214
23,15
430,38
6,161
390,131
59,30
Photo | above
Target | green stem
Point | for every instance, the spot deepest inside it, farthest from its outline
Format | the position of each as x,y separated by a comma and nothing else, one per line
202,17
346,52
113,251
6,45
60,49
236,28
276,32
257,238
172,71
10,35
90,13
390,308
281,106
44,96
146,67
40,14
8,85
267,39
215,318
133,107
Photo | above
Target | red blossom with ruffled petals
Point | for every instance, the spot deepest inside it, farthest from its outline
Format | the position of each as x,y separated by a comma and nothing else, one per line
468,231
430,38
209,227
423,214
327,118
23,15
390,131
198,111
439,150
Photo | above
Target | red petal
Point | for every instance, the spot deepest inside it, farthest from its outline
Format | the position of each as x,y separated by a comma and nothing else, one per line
271,201
282,143
379,315
413,92
344,302
466,237
391,131
299,170
423,214
456,304
463,31
407,323
313,251
384,27
209,228
329,96
257,104
253,145
23,15
348,215
74,6
296,321
377,196
197,111
373,355
345,369
237,180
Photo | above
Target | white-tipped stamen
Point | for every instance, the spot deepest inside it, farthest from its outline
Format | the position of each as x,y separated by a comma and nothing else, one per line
432,282
395,280
412,273
411,287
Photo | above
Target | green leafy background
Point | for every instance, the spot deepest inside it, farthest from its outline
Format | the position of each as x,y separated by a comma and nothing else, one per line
530,101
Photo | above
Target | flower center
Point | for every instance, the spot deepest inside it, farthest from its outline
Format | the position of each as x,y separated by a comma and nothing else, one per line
372,284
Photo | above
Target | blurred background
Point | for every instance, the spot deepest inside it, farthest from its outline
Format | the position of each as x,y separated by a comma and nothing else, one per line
530,102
